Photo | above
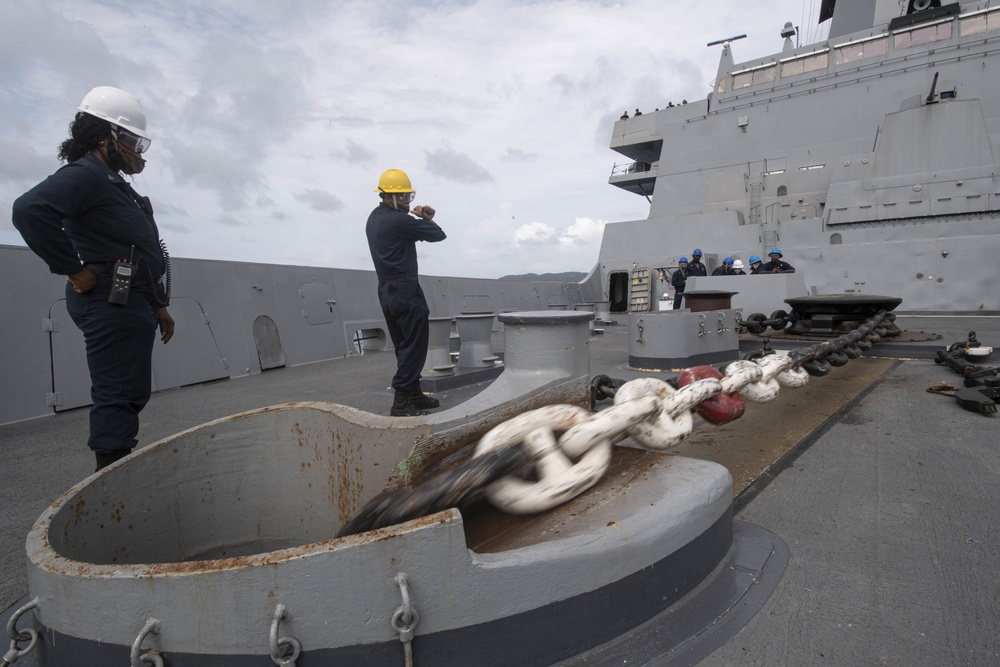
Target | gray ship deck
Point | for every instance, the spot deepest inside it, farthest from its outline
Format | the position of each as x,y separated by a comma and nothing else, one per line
884,494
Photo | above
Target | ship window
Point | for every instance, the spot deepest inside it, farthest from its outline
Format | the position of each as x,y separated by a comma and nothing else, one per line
867,48
811,167
922,35
752,77
808,63
977,22
836,239
782,191
722,85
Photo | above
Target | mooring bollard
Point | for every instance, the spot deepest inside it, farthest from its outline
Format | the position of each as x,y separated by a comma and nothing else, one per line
476,332
439,346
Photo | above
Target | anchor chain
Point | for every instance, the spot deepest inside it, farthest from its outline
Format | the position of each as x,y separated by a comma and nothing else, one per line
567,449
405,619
284,650
462,483
758,323
29,635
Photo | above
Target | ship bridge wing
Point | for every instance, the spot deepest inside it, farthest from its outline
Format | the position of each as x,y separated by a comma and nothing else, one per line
636,139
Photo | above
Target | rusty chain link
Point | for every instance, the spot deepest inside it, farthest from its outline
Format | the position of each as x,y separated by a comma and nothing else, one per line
547,456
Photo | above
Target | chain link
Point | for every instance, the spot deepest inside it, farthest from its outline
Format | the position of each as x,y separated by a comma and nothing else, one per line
559,478
568,449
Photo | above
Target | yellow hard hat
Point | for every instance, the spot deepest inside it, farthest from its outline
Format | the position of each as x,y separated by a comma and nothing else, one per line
393,181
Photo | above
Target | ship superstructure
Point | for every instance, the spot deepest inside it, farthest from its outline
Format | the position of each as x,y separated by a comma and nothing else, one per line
870,158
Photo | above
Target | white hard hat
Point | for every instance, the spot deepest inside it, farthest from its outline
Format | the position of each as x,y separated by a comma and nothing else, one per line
116,106
738,264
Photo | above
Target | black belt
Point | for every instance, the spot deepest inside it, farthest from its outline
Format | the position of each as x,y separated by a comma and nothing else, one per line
397,279
104,268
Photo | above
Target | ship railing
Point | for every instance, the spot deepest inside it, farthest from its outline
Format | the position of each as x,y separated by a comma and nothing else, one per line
630,168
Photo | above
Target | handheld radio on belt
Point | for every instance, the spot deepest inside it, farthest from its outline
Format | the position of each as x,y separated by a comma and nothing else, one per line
121,280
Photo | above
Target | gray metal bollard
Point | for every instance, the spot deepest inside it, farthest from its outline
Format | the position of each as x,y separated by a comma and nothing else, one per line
439,347
476,332
556,343
602,311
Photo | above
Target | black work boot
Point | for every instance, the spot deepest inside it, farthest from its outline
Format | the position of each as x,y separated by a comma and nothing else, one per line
403,406
423,402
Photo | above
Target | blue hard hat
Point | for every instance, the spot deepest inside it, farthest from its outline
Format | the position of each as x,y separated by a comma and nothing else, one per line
697,252
682,260
728,260
776,251
754,259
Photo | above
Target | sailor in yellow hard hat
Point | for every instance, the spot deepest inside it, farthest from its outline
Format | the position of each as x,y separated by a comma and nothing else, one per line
393,230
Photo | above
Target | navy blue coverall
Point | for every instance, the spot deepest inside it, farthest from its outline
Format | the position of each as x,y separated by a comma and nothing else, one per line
392,237
775,265
678,280
697,269
85,214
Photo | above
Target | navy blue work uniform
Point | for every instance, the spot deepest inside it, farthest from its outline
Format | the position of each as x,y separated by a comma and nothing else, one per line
392,237
775,264
698,269
85,214
678,280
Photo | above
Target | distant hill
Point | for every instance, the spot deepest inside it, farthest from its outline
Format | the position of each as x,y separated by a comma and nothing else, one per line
564,277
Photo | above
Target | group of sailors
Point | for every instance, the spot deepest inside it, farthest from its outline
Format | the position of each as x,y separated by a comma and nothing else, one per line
670,105
729,267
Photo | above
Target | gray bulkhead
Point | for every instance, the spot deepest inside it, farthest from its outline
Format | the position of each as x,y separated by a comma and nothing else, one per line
233,319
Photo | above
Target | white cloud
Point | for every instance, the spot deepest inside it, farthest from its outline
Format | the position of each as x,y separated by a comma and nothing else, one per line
534,233
584,231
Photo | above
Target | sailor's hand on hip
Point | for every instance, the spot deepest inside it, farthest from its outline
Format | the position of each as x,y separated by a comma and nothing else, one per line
425,212
82,281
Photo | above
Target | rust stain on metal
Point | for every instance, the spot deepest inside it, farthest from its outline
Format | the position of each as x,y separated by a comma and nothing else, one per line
346,475
78,509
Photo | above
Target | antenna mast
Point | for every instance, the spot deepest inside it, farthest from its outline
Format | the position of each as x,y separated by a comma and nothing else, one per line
726,40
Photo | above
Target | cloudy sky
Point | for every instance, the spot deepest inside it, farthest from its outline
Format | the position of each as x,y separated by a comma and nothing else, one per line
272,119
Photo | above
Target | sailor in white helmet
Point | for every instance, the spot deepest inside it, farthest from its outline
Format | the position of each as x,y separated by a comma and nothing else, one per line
88,224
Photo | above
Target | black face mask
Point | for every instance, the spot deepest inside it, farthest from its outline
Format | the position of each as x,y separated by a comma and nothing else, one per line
124,160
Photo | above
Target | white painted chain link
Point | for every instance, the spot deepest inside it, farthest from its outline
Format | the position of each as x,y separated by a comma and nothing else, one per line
648,410
559,479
